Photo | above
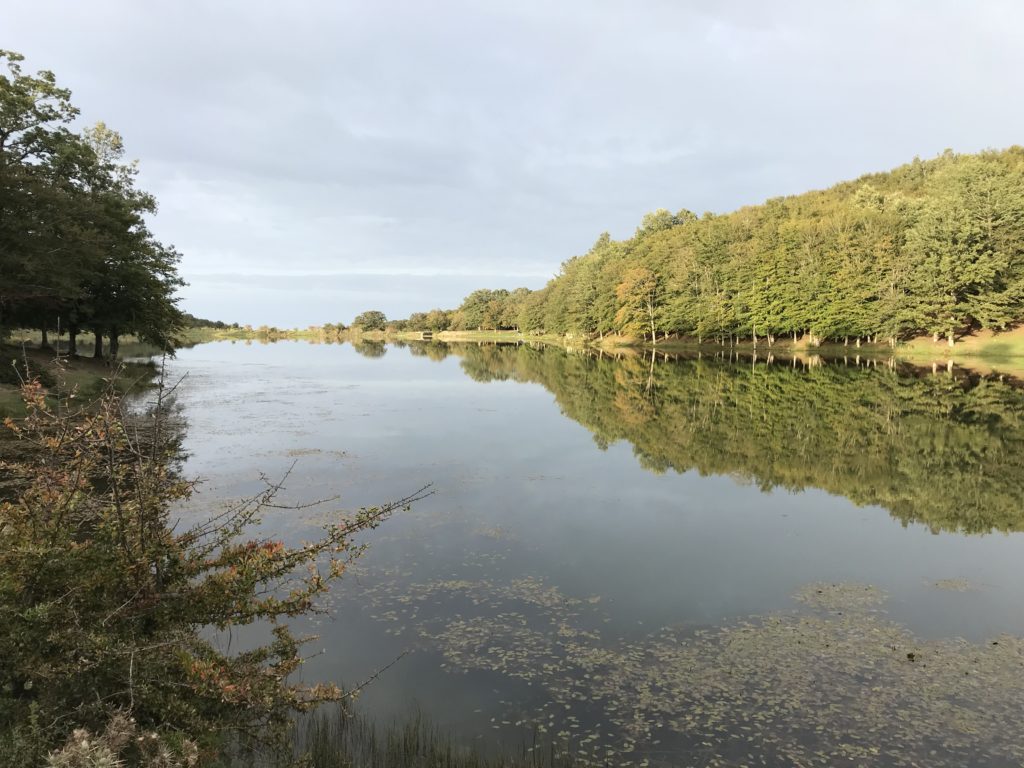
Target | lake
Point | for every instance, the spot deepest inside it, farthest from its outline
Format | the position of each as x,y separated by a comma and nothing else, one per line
646,559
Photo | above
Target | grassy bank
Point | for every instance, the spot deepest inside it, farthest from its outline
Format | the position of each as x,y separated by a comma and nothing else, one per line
508,337
984,351
784,347
62,375
190,336
318,334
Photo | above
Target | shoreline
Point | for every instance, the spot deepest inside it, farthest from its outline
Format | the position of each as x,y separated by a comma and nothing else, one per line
983,353
62,375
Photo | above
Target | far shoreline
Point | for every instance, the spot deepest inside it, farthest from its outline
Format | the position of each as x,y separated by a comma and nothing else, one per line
982,353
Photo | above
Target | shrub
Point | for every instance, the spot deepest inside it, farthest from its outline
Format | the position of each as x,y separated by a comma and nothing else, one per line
103,601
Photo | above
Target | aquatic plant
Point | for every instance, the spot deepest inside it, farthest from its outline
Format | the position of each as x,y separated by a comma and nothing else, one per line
833,682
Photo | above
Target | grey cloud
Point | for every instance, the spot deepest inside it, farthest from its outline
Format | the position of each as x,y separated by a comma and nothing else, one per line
496,139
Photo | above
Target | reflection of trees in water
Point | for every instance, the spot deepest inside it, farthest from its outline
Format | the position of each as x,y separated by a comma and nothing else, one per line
932,448
370,348
435,350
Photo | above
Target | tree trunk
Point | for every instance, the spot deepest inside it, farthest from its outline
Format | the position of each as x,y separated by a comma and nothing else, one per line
115,342
935,337
45,343
72,340
98,348
951,338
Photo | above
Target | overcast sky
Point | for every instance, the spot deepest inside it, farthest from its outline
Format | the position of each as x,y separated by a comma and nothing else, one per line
313,159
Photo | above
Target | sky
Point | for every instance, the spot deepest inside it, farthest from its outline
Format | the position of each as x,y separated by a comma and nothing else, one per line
316,159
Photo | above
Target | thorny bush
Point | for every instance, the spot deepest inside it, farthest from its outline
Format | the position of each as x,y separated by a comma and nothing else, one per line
106,609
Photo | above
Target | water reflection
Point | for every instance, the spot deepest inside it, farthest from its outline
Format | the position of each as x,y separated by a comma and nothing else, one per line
940,449
370,348
630,613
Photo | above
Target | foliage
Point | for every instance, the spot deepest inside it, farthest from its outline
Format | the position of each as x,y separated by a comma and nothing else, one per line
332,331
17,371
371,320
75,249
108,609
191,321
931,247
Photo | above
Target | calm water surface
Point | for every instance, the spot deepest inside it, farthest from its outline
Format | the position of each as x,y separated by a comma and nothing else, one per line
667,562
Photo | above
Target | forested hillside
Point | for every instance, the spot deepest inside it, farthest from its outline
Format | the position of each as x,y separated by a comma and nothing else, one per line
75,250
934,246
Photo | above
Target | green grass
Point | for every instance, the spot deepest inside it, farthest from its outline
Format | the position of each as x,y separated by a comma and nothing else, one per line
501,336
1003,350
83,376
10,402
190,336
985,352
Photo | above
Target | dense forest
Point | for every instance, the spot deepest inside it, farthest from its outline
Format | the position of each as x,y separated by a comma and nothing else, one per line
945,451
76,253
933,247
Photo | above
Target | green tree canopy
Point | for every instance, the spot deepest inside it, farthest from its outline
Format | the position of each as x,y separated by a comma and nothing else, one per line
370,320
75,248
934,246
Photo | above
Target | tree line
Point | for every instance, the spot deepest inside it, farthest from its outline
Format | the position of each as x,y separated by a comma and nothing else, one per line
76,253
932,247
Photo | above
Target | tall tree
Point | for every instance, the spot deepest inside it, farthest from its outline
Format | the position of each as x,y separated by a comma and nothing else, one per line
639,295
74,245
